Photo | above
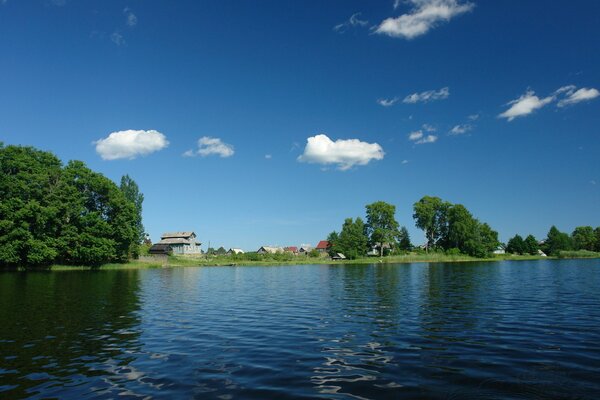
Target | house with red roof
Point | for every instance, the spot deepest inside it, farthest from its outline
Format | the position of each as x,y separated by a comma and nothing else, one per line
323,246
291,249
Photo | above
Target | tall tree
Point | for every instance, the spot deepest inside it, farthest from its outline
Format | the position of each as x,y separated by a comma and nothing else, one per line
352,241
556,241
597,241
531,245
584,238
382,227
430,214
404,240
516,245
132,193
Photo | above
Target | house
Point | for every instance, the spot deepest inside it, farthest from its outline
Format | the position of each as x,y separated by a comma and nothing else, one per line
181,242
304,250
541,253
500,250
338,256
269,250
291,249
161,249
234,251
323,246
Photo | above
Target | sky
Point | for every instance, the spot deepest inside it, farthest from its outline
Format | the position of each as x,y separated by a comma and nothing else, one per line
269,123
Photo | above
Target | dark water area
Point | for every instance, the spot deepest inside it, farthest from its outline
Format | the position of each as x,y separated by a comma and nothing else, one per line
506,330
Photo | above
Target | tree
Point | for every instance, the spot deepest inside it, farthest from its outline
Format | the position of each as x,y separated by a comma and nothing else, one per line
556,242
516,245
381,227
430,215
584,238
132,193
531,245
597,242
352,240
404,240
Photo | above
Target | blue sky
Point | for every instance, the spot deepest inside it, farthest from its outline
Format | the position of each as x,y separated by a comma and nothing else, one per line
490,104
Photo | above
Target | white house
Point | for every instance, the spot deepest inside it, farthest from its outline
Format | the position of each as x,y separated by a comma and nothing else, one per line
500,250
181,242
235,251
269,250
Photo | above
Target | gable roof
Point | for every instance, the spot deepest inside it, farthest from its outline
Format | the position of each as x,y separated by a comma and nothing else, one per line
323,245
293,249
184,235
236,251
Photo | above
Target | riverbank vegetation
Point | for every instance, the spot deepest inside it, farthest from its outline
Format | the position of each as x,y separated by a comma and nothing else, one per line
584,241
52,213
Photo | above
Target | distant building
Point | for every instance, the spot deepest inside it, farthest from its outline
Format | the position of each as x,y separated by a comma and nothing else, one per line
323,246
269,250
291,249
235,251
500,250
541,253
181,242
304,250
338,256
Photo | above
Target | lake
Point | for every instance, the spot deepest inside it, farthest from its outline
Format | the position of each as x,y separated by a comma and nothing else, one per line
501,330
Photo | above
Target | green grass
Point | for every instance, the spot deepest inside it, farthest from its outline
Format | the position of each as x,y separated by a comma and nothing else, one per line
578,254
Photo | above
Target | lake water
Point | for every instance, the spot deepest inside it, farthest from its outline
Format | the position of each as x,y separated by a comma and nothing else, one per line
506,330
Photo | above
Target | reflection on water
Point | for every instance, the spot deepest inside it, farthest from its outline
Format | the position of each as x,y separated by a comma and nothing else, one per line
459,331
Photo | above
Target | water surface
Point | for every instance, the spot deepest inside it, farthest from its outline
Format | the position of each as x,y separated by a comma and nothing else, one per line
507,330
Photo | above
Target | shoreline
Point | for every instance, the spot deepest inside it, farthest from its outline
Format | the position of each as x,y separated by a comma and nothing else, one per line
177,262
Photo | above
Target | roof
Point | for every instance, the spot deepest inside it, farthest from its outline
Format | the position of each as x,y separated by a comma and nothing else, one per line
269,249
323,244
293,249
184,235
236,251
177,241
306,248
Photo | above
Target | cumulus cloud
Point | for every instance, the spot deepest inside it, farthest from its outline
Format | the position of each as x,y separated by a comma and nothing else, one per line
353,21
577,96
427,96
211,146
460,129
130,144
387,102
418,137
131,18
525,105
424,16
345,153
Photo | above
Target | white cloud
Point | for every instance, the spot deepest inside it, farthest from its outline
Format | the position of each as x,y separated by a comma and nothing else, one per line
525,105
131,18
353,21
415,135
268,156
576,96
210,146
473,117
427,139
460,129
593,182
404,162
130,144
418,137
117,38
387,102
345,153
429,128
425,15
427,96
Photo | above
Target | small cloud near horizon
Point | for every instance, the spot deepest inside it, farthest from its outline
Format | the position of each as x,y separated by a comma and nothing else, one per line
209,146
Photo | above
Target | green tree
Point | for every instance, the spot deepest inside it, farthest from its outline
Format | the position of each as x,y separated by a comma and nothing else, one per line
352,240
516,245
531,245
584,238
556,241
404,240
381,227
430,214
597,241
132,193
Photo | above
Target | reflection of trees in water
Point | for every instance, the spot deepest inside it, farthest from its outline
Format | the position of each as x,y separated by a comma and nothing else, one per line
65,329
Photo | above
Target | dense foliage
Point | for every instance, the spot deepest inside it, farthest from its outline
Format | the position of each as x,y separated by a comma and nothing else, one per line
583,238
451,226
50,213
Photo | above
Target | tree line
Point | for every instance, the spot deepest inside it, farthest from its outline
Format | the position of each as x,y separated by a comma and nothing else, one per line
448,227
52,213
582,238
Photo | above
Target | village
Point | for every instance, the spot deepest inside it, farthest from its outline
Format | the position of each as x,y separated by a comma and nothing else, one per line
186,243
